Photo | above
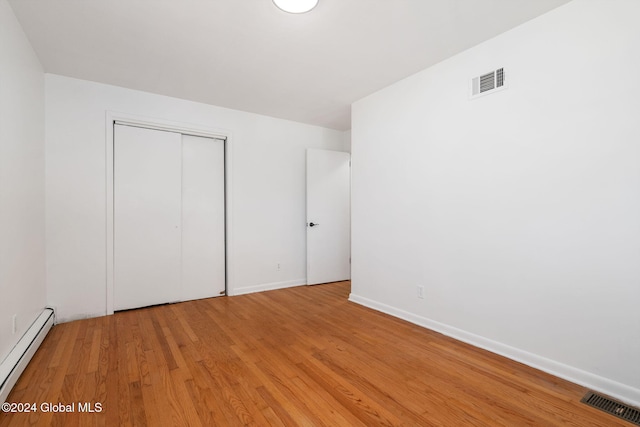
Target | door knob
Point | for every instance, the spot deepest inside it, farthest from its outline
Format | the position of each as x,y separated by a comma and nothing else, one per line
311,224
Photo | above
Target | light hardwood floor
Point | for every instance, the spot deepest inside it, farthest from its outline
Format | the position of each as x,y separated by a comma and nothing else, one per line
295,357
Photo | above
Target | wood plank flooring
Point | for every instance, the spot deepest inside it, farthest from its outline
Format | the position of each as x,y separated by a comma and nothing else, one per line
294,357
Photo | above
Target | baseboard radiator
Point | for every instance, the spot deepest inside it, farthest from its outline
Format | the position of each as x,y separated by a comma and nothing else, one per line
14,364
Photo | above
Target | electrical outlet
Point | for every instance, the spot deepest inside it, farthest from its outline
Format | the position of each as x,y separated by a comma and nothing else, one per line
278,266
421,292
14,323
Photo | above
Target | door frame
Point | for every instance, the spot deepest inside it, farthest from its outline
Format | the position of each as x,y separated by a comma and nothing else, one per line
111,118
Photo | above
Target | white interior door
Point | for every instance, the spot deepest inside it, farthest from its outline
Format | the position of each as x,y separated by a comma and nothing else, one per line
328,216
147,217
203,222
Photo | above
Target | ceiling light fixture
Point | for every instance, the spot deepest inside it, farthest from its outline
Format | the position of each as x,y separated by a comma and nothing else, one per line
296,6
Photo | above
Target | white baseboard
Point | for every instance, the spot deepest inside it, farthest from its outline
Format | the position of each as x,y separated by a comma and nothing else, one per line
17,360
622,392
269,287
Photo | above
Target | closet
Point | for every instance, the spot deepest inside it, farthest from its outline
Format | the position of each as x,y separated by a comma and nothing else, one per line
168,217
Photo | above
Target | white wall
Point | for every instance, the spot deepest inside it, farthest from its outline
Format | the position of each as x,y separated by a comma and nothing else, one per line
346,138
519,212
22,264
268,194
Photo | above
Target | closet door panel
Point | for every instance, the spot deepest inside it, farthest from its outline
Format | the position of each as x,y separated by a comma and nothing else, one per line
203,222
147,217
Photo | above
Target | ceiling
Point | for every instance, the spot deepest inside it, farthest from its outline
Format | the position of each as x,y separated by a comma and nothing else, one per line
248,55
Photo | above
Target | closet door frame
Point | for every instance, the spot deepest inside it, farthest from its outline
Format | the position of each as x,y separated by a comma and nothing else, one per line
171,126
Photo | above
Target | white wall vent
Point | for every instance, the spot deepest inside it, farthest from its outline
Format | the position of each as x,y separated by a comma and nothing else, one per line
488,83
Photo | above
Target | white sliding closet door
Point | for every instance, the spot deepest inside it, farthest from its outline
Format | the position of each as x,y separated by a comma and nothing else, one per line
147,217
203,238
169,217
